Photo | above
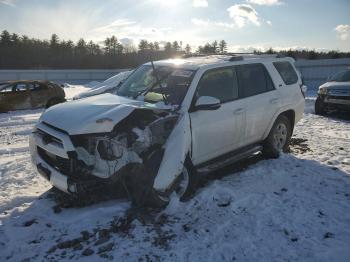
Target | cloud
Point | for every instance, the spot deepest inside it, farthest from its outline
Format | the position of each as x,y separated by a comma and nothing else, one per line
265,2
268,22
126,30
114,26
200,22
343,31
8,2
200,3
243,14
207,22
264,48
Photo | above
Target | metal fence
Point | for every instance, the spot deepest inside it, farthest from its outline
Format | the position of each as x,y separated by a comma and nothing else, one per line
69,76
314,72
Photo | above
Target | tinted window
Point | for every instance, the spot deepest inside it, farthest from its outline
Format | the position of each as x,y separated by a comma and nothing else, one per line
31,86
6,88
37,86
253,79
287,72
21,87
219,83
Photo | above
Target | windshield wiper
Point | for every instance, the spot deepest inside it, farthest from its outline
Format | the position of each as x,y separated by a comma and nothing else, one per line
158,82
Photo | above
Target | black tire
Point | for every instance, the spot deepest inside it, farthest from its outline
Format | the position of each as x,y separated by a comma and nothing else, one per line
319,107
160,201
278,138
53,101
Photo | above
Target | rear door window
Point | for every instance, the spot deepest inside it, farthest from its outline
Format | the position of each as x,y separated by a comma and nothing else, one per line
37,86
287,72
20,87
219,83
253,79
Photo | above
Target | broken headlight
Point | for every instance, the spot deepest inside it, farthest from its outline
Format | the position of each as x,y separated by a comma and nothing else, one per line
109,149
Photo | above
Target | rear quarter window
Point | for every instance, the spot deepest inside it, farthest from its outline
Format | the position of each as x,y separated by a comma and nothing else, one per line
253,79
287,72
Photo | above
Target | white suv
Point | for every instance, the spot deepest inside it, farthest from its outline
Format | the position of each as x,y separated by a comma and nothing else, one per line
169,122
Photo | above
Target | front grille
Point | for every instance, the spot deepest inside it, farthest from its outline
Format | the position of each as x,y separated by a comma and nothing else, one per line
339,97
339,92
47,138
63,165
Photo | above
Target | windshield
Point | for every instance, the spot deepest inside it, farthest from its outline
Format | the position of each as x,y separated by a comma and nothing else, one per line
343,76
173,84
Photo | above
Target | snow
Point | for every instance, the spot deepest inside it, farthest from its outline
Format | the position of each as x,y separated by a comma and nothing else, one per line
295,208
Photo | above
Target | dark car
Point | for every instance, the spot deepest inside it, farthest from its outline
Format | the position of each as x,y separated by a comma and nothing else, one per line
335,94
15,95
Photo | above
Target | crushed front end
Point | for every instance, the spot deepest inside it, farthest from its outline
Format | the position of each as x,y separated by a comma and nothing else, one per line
90,162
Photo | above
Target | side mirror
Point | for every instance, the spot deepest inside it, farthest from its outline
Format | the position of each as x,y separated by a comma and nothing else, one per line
207,103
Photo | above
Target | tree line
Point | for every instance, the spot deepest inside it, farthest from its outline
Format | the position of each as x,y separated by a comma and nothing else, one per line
22,52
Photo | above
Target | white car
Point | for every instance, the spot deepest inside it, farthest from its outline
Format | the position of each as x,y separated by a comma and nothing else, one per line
107,86
169,122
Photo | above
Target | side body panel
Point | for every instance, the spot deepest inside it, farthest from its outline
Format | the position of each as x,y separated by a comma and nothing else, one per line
216,132
40,95
176,149
15,100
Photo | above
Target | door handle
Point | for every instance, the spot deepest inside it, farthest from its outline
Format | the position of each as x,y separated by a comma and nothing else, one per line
273,101
238,111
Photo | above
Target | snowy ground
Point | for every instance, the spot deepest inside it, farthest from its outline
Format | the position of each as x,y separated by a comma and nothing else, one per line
295,208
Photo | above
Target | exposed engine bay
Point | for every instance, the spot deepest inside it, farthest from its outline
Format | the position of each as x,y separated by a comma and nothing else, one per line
131,141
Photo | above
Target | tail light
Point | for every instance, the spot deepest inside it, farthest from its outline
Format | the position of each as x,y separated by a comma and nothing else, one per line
303,89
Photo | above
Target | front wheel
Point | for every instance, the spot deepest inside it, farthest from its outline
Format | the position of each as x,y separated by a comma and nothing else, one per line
183,187
278,138
319,107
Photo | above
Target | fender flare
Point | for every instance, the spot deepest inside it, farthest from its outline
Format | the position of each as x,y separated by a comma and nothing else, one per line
276,115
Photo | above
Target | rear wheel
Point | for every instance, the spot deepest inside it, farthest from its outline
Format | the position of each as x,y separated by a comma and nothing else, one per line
278,138
319,107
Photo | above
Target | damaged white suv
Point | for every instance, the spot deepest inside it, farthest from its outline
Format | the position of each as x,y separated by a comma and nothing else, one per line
169,122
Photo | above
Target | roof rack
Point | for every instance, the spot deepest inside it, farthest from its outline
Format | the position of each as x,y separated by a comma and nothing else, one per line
235,56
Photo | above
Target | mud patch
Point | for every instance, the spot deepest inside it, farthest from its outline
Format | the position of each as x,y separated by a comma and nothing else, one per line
102,241
298,146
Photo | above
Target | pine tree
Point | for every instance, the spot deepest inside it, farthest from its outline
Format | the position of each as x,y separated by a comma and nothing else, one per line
188,49
223,47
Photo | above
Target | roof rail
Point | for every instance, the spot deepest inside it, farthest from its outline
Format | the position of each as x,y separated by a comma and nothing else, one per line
235,56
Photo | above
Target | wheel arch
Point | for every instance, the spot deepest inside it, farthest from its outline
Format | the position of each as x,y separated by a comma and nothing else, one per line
289,113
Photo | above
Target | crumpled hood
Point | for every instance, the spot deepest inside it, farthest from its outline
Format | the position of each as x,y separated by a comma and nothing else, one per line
336,85
96,114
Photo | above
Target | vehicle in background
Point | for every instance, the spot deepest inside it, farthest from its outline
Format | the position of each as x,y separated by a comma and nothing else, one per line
107,86
16,95
168,123
335,94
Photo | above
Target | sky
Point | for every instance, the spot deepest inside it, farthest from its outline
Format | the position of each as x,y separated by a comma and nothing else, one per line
243,24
